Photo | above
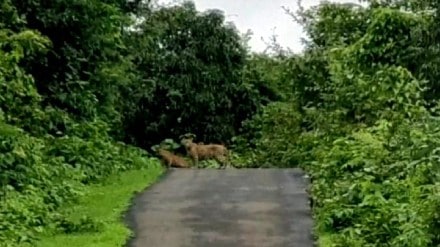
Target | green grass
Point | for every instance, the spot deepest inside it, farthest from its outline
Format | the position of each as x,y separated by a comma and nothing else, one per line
105,203
324,240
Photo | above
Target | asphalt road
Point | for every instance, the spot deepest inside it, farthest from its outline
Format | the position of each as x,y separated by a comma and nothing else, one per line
230,208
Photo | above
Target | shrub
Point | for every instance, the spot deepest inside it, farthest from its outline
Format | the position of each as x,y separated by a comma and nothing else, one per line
368,143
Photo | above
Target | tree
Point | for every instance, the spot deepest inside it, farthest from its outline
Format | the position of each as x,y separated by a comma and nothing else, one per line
191,67
85,68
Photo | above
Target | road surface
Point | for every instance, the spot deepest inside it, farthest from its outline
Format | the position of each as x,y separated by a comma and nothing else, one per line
223,208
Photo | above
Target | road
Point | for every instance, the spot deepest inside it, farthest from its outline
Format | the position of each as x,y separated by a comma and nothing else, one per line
230,208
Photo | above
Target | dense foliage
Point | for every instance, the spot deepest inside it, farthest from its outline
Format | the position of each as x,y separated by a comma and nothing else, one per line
362,122
81,81
191,67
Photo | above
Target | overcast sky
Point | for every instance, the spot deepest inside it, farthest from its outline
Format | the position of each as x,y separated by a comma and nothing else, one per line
263,17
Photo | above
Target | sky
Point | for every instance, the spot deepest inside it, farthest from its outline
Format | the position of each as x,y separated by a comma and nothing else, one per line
264,17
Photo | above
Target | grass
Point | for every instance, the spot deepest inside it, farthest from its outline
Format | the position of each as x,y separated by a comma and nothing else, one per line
324,240
105,203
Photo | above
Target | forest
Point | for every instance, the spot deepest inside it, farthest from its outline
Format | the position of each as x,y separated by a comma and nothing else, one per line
88,87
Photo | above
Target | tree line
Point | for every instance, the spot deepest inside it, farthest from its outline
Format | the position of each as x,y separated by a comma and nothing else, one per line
87,86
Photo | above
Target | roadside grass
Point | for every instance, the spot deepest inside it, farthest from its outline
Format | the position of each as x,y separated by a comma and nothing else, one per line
325,240
105,203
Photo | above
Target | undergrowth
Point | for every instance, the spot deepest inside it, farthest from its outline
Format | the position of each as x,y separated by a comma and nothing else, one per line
96,219
360,126
44,174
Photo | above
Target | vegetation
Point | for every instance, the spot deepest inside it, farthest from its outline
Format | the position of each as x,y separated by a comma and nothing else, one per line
88,87
94,221
362,121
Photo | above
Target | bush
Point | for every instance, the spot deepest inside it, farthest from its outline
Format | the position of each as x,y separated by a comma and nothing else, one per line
33,185
38,176
363,133
376,190
275,132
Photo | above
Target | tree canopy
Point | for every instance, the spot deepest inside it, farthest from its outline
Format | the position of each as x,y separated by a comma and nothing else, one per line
87,87
82,82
